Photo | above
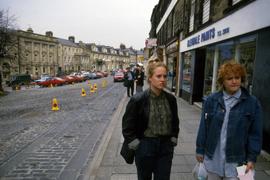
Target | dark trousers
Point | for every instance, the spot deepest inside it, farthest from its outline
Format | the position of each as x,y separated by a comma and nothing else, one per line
130,87
154,156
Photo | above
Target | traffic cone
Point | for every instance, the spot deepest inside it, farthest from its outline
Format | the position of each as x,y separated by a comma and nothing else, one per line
55,106
83,92
95,87
92,90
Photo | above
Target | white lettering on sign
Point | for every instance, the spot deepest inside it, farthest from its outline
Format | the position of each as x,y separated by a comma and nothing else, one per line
207,35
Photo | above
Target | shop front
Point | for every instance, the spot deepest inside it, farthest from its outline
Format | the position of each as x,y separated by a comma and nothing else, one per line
203,53
172,59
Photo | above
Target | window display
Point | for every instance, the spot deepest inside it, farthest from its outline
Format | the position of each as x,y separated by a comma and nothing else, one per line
186,83
242,50
171,78
247,56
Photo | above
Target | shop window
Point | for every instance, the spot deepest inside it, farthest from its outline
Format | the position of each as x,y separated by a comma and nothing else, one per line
208,71
222,52
206,11
186,83
226,52
247,50
242,50
171,77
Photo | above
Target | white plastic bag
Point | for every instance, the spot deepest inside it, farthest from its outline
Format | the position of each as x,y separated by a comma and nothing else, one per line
199,172
242,175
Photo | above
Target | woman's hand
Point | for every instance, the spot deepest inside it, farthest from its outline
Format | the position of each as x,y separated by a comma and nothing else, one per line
250,166
199,158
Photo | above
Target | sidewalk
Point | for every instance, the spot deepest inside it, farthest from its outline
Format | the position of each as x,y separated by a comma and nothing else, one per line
111,166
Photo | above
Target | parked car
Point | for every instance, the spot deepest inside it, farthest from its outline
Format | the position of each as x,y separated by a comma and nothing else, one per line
89,75
105,73
55,81
68,79
99,74
78,78
118,77
93,75
20,79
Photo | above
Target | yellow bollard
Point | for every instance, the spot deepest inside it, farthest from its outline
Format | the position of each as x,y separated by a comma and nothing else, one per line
104,83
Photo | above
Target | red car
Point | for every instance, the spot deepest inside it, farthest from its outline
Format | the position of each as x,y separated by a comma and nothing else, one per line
118,77
105,73
55,81
99,74
68,79
77,78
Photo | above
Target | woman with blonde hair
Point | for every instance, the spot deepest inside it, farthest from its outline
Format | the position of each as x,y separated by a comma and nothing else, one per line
230,131
150,126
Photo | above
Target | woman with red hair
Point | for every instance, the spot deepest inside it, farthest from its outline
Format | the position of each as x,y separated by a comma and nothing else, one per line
230,131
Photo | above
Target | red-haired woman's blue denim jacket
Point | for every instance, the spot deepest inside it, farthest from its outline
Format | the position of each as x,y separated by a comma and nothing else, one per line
244,132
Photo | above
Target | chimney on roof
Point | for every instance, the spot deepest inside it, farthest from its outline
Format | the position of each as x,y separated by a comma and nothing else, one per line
71,38
49,33
30,30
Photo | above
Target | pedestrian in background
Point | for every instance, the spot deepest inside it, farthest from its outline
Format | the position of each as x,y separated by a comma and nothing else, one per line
150,126
139,79
129,81
230,131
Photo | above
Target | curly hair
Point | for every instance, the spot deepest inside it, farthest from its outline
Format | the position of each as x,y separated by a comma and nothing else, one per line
228,68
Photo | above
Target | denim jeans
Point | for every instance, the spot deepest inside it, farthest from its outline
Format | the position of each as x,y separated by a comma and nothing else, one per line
154,156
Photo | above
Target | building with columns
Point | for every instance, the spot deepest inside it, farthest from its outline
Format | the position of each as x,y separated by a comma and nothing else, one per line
37,54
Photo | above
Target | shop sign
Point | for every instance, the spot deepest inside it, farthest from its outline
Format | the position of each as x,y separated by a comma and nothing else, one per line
151,42
207,35
172,47
256,15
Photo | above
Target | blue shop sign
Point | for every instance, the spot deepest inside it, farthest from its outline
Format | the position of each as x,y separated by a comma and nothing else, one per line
207,35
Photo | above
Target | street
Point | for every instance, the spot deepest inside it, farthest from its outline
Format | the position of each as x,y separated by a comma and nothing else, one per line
38,143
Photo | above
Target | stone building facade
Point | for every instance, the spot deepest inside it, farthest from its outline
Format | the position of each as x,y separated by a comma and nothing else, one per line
37,54
106,58
71,56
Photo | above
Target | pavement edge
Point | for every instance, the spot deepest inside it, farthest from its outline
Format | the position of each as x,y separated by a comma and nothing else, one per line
93,167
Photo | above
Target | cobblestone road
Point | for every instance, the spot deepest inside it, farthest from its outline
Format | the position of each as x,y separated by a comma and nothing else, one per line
36,143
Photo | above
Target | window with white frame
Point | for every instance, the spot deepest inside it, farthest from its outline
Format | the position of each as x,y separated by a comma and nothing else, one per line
235,2
206,11
191,18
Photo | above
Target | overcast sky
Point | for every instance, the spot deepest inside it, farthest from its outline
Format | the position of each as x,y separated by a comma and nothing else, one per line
104,22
